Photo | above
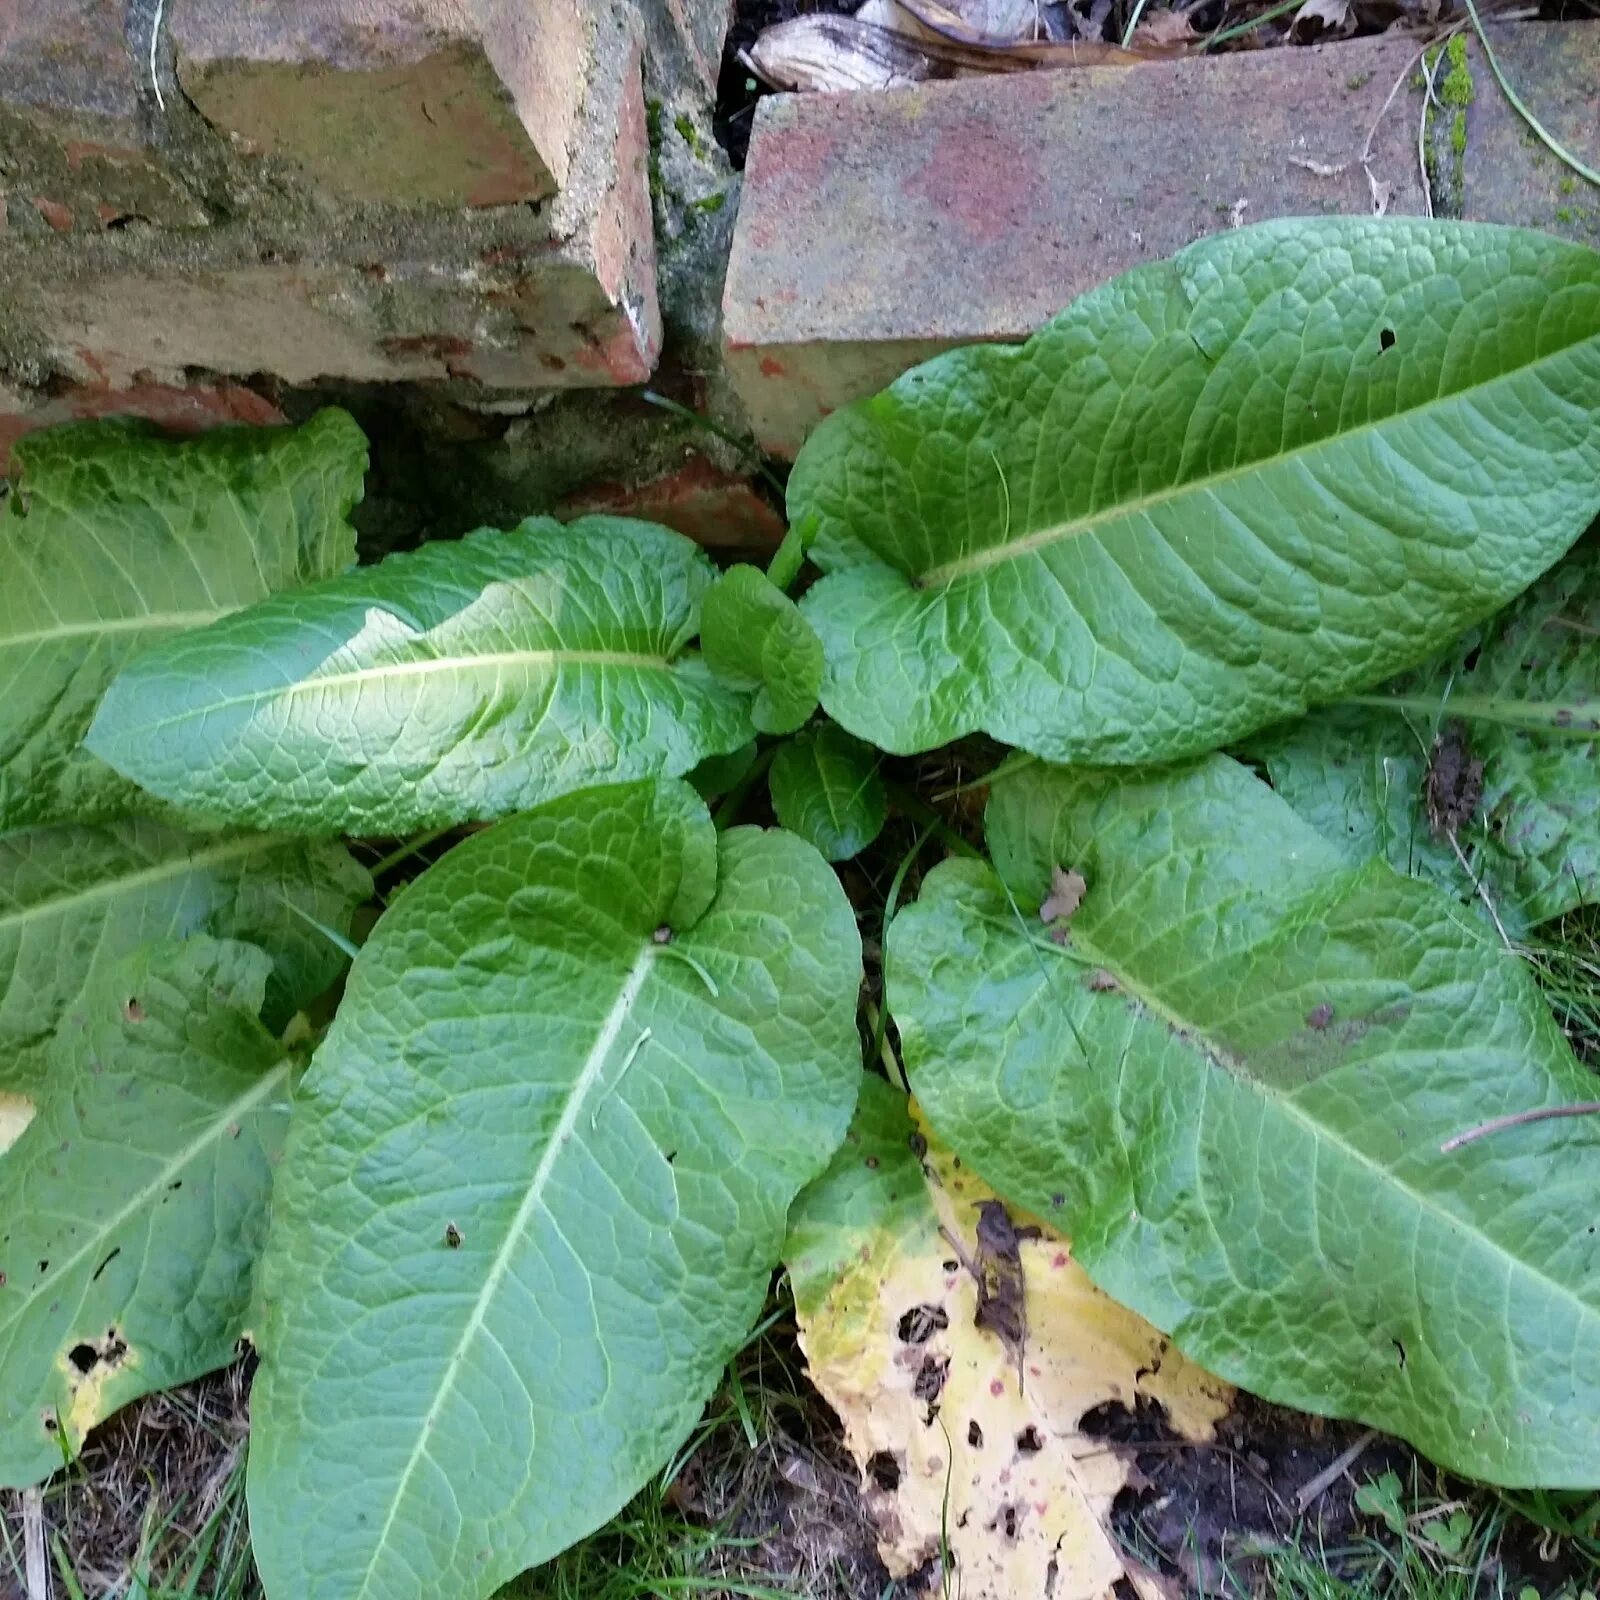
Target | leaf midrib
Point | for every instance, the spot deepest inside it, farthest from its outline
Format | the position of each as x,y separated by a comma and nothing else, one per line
465,665
1055,533
1218,1059
234,1112
587,1080
94,628
170,867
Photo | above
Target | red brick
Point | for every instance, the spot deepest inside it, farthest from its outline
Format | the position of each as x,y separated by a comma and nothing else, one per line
180,410
449,102
712,507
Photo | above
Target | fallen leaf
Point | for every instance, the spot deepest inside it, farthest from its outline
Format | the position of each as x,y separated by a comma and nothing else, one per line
1067,890
832,55
1164,30
952,1443
1322,19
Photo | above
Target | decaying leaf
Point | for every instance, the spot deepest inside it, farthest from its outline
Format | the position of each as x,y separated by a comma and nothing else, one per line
1322,20
1454,784
1163,30
959,1434
1067,890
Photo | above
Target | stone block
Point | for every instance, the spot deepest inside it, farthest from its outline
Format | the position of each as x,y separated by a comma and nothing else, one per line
515,298
714,508
878,229
75,145
406,102
684,39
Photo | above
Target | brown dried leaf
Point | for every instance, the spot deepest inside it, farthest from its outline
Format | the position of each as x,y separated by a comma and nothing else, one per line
1067,890
1164,30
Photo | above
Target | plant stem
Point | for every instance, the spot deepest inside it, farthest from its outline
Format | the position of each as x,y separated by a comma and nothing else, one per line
405,851
918,810
1520,1119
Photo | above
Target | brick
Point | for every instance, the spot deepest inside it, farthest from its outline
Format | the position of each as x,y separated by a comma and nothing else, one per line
1506,174
190,409
508,298
684,41
447,102
714,508
878,229
73,130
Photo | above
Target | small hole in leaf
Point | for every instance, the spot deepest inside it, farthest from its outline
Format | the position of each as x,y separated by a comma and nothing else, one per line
1386,339
44,1267
50,1424
83,1357
1470,659
920,1324
975,1435
132,1010
452,1236
884,1470
1030,1441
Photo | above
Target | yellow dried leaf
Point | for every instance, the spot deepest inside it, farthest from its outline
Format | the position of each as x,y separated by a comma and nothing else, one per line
955,1443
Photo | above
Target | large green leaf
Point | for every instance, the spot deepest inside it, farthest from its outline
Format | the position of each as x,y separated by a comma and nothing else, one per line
74,899
1516,701
825,787
134,1205
754,637
113,538
1283,465
452,683
536,1185
1231,1076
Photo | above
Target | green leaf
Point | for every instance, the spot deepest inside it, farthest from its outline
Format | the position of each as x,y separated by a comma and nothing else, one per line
452,683
536,1185
1520,695
75,899
754,637
825,787
1280,467
112,539
716,775
1229,1078
135,1202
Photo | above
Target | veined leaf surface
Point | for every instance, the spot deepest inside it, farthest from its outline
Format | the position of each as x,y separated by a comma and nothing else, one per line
112,539
1231,1084
754,637
135,1202
456,682
1284,465
1518,701
75,899
542,1163
825,787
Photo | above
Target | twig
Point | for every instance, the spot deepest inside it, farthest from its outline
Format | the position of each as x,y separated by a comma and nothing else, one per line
1588,174
37,1573
1314,1488
155,40
1483,894
1520,1119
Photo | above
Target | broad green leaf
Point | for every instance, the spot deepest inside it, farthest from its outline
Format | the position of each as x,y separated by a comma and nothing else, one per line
754,637
452,683
75,899
1231,1078
1520,695
134,1205
716,775
825,787
114,538
536,1185
1282,466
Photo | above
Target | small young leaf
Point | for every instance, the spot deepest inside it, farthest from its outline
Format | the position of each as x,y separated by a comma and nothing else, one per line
113,539
754,637
1247,1137
825,787
537,1183
75,899
135,1202
1520,695
456,682
1282,466
716,775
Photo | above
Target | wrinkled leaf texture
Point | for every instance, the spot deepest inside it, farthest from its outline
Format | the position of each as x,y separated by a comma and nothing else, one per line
1523,692
536,1185
754,637
449,684
134,1206
825,787
75,899
1231,1089
113,539
1281,466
